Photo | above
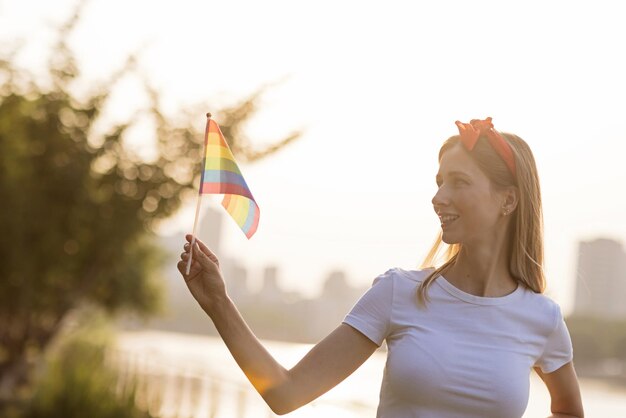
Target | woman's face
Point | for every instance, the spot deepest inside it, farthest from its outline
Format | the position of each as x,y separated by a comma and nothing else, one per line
469,208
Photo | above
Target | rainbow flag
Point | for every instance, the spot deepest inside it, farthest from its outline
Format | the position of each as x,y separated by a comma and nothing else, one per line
222,176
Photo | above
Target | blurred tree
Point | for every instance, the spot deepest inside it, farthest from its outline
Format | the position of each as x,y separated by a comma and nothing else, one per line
596,339
78,208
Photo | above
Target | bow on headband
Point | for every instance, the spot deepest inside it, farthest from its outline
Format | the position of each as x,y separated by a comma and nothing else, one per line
470,132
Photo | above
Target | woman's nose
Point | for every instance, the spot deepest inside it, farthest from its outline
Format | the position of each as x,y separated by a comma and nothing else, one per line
440,198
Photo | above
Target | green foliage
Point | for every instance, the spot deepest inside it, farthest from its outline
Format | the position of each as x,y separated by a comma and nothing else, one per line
597,339
79,209
77,383
75,218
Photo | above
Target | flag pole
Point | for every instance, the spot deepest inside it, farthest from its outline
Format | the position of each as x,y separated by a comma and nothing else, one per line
198,204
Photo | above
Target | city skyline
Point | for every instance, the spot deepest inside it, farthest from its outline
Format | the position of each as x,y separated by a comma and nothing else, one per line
271,310
278,313
600,274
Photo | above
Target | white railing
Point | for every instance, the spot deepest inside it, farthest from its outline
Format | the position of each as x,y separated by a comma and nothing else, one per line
168,390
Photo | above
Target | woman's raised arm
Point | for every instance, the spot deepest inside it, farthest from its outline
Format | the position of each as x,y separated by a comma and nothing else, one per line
322,368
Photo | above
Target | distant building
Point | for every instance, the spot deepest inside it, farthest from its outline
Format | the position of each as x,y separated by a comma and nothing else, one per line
270,292
236,278
210,231
180,312
601,279
333,304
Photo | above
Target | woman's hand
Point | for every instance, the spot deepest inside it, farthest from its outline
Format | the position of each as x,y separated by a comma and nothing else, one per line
205,279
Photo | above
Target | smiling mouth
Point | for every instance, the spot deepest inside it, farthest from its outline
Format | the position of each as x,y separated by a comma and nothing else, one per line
447,220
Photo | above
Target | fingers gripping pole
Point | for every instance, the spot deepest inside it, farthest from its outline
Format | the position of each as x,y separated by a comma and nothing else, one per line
193,234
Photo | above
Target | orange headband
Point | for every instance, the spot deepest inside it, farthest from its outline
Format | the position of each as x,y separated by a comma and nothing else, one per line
470,132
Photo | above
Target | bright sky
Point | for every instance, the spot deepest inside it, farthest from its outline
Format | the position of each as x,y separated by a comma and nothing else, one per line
377,89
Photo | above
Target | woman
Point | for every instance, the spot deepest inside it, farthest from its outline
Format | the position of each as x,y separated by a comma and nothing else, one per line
462,338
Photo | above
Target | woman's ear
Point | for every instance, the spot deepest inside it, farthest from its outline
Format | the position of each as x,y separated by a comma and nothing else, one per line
510,200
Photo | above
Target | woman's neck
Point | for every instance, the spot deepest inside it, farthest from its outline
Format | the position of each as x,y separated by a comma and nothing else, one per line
482,271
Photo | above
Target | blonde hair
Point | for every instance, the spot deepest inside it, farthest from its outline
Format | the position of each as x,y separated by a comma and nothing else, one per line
526,229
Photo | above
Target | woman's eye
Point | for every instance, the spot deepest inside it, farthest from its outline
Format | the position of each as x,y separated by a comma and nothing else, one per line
460,182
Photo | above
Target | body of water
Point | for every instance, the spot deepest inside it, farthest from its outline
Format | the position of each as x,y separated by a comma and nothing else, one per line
195,376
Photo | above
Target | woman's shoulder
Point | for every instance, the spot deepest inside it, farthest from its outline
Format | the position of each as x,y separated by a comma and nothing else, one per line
403,275
541,304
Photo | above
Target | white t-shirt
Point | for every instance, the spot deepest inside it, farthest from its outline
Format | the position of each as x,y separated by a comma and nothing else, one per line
462,356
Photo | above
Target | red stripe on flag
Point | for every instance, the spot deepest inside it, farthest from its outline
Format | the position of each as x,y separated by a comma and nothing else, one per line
226,188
